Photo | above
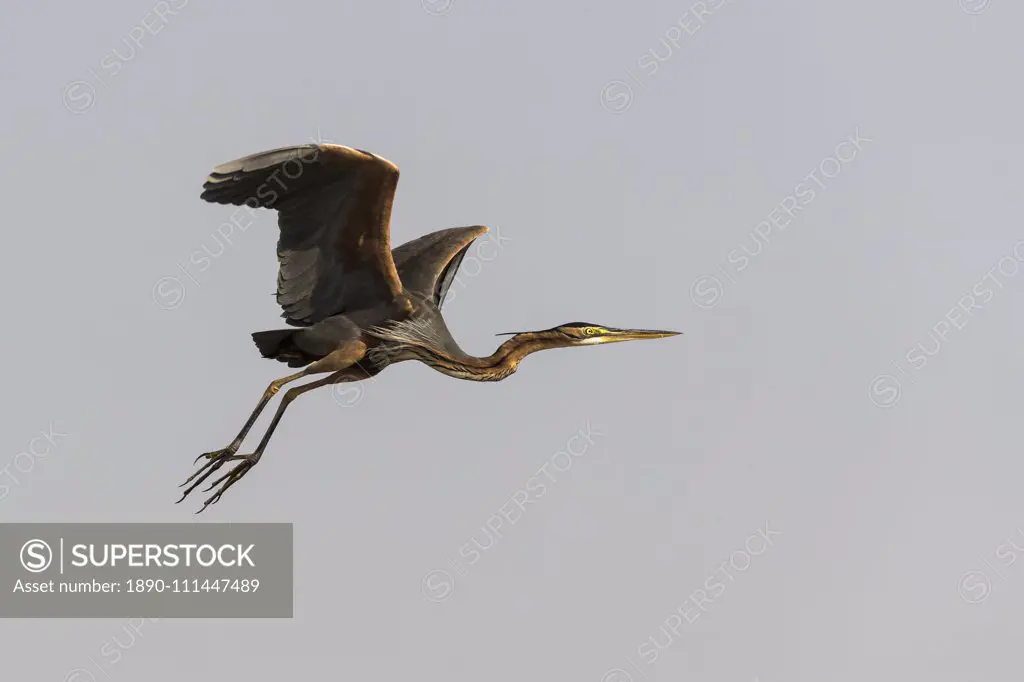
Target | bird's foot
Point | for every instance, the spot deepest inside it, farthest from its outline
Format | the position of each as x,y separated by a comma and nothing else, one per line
214,460
218,454
245,462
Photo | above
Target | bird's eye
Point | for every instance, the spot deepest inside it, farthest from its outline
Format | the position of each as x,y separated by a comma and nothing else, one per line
590,331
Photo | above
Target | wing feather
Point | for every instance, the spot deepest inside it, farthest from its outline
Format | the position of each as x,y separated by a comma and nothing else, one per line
428,265
334,213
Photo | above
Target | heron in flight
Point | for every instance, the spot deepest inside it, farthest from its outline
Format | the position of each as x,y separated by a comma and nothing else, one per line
354,305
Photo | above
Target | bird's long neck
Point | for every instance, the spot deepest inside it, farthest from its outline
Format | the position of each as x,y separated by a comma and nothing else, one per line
494,367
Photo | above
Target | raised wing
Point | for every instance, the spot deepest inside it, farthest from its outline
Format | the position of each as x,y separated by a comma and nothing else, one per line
428,264
334,211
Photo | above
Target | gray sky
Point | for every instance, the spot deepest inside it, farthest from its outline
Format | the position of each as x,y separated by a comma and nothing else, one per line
798,406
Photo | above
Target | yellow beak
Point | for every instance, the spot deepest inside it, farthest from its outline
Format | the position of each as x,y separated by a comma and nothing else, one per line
616,335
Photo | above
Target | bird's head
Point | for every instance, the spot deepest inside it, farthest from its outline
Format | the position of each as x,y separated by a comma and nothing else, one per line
586,333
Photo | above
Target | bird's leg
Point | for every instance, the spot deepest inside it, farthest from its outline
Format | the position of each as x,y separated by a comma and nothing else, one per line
217,458
338,361
247,462
271,391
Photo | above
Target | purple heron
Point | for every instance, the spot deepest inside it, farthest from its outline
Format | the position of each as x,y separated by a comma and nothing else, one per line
354,305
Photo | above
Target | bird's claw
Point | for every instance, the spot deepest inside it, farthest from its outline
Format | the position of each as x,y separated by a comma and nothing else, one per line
246,462
215,460
216,454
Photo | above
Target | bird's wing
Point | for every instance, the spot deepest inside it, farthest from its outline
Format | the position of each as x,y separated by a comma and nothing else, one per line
334,211
428,264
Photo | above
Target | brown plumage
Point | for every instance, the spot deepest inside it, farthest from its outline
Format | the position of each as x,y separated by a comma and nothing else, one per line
354,305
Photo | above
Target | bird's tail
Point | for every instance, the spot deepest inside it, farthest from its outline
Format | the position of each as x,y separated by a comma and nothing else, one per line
278,344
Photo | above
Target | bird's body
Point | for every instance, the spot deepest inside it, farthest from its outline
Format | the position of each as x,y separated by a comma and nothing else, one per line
355,306
424,263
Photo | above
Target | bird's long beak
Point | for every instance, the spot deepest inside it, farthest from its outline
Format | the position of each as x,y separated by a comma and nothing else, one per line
615,335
